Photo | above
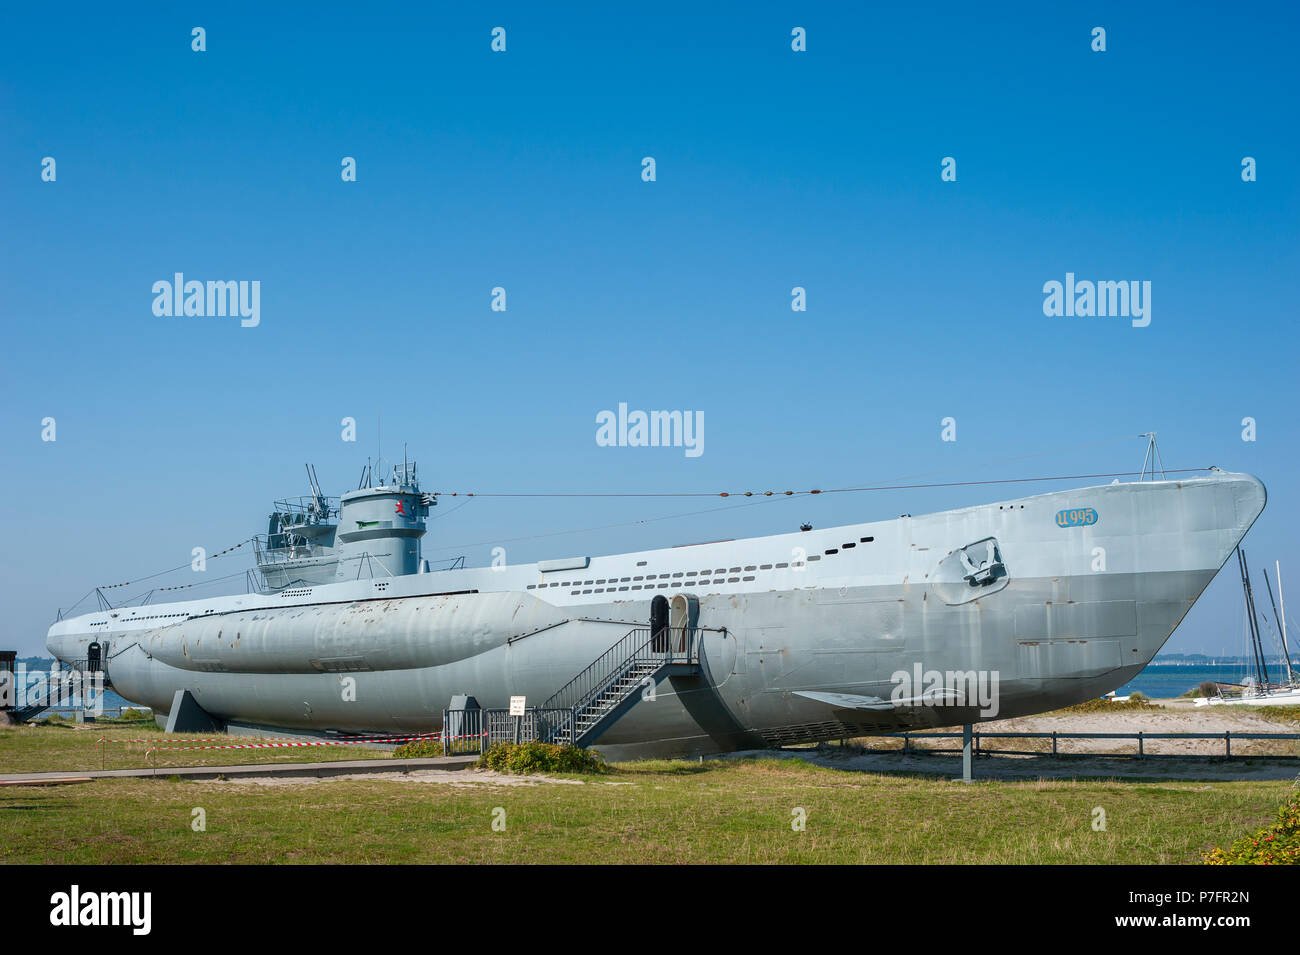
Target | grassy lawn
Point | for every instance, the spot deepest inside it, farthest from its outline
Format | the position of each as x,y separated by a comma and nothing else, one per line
69,746
660,812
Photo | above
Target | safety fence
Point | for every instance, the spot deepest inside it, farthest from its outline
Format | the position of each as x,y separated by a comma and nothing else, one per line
468,731
1140,737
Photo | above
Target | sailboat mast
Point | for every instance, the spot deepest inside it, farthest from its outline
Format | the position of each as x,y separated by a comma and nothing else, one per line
1286,652
1260,665
1255,621
1277,567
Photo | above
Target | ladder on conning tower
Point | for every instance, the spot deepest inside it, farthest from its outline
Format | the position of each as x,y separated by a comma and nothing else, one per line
617,680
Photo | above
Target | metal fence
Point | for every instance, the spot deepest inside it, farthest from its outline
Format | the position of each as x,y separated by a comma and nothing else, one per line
537,723
462,732
1140,737
108,712
476,731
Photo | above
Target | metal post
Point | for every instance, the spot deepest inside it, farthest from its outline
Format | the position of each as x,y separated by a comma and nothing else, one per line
965,752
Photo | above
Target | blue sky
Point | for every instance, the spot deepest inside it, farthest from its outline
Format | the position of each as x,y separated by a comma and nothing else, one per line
522,170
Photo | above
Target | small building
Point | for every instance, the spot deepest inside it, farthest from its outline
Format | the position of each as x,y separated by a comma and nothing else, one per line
8,682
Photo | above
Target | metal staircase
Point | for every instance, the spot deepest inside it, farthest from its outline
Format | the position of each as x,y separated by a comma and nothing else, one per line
34,708
54,692
615,681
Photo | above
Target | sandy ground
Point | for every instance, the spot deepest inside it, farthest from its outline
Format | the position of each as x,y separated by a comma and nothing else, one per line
1045,767
1097,758
1172,716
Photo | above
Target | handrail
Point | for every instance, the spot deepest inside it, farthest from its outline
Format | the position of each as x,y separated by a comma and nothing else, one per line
530,633
577,708
600,669
560,623
67,682
638,644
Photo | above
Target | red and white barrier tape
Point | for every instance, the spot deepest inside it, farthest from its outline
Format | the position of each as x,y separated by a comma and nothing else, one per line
168,741
183,749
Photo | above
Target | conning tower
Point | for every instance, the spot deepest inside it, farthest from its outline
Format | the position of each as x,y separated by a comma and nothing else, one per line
380,527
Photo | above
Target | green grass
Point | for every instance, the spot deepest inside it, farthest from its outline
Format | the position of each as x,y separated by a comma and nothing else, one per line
65,746
1278,714
664,811
1136,704
736,811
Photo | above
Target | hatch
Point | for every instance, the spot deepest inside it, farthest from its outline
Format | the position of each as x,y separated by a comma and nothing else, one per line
971,571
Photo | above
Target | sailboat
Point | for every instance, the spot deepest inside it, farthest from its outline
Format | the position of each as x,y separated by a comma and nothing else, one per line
1261,691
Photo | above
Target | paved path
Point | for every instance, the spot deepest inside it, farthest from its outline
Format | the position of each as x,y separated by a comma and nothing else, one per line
247,770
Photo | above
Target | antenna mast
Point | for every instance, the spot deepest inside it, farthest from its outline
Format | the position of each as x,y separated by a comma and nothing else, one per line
1152,457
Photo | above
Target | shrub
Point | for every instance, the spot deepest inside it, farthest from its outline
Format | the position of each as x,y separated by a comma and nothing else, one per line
1278,844
523,758
1137,696
1135,702
128,715
419,747
1208,689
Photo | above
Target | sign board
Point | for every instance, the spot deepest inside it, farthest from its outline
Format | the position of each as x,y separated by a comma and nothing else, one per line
517,704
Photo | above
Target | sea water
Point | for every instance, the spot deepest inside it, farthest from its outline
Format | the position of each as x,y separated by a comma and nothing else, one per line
1164,680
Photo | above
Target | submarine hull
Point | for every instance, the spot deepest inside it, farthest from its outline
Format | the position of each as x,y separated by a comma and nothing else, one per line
982,613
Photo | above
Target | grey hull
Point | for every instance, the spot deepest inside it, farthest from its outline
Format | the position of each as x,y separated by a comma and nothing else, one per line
794,653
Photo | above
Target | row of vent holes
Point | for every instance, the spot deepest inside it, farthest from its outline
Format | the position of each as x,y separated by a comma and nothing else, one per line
675,583
849,546
691,573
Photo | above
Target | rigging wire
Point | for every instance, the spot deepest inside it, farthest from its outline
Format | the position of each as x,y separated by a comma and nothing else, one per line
762,496
170,570
78,603
768,497
833,490
602,527
906,477
199,583
447,513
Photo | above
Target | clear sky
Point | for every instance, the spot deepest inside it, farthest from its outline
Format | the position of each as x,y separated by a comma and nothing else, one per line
523,170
